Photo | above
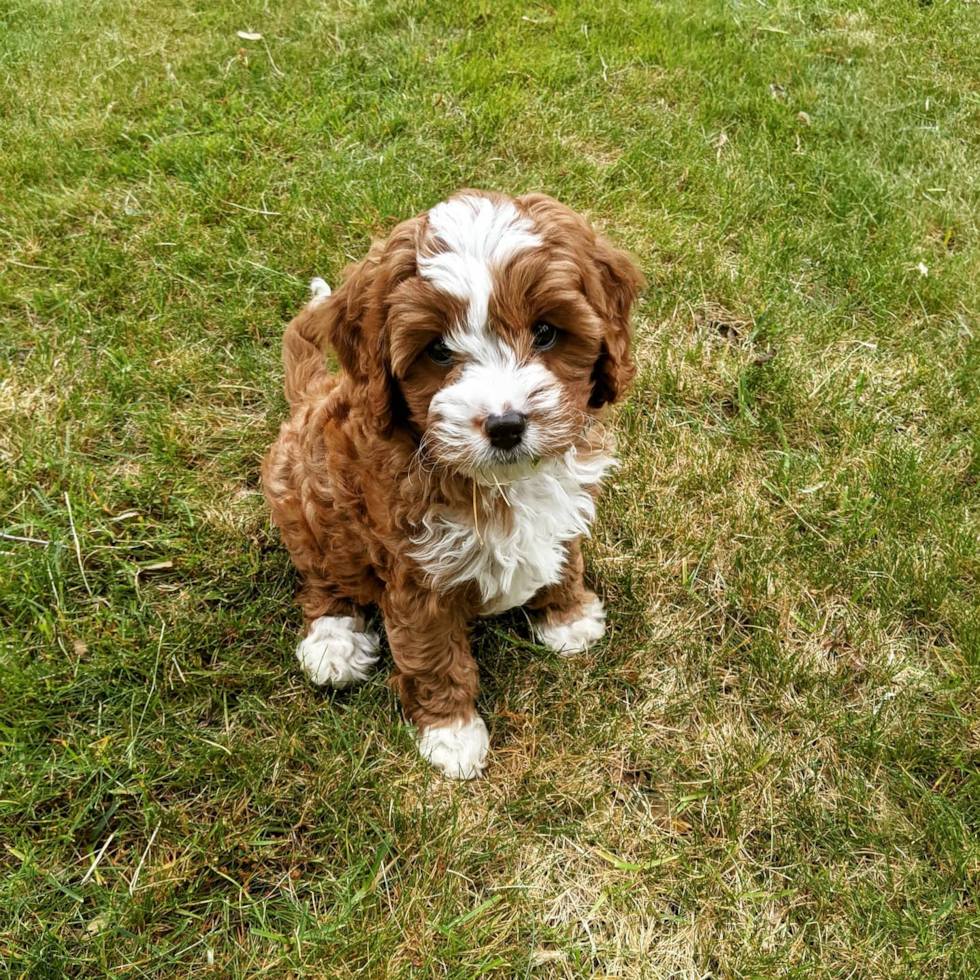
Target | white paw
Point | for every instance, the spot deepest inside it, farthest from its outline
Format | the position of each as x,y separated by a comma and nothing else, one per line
319,290
575,636
337,651
459,749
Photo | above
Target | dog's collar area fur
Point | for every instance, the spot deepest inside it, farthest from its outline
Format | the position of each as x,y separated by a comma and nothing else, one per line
513,551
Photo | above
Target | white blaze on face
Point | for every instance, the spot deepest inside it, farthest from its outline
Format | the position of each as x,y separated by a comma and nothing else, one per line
480,236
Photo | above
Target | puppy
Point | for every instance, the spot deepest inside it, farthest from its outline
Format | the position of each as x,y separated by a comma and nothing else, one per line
449,471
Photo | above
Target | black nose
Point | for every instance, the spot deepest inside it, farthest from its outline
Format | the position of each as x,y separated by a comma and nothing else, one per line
505,431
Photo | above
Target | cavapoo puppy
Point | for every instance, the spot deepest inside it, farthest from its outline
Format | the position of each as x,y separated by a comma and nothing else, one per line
449,470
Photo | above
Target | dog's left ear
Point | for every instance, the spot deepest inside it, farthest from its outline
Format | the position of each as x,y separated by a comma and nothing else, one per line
617,285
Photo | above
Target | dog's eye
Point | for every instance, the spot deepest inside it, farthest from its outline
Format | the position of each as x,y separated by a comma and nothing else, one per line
544,335
439,353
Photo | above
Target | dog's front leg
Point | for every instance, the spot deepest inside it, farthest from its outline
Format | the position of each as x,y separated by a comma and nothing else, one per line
436,677
568,617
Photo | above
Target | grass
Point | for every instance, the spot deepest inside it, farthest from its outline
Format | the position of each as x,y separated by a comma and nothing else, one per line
770,768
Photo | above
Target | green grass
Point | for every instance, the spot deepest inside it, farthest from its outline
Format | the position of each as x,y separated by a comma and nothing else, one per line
771,767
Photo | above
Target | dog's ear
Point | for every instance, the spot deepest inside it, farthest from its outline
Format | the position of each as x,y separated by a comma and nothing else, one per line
341,317
354,322
611,282
613,292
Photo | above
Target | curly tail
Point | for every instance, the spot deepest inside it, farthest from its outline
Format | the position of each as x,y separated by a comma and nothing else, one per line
302,353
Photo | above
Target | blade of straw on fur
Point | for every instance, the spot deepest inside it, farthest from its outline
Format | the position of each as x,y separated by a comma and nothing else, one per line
476,519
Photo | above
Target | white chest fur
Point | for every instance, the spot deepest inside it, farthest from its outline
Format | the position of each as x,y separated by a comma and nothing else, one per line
513,552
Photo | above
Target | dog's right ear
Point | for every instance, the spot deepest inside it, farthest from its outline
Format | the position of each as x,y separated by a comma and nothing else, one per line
341,317
353,321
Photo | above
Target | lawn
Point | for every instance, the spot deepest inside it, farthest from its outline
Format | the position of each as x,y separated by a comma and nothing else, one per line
769,768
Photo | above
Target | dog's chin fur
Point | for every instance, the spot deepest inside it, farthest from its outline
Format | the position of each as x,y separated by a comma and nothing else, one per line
384,483
499,469
507,471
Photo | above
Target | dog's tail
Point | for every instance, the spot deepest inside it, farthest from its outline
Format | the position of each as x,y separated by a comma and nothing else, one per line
302,351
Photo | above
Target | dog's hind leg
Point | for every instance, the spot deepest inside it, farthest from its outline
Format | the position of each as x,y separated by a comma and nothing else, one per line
337,649
567,616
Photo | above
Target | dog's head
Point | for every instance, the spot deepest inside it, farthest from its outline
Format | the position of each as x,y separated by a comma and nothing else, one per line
491,327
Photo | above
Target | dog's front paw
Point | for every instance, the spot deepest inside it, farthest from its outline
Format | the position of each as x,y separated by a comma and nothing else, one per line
338,651
459,749
576,635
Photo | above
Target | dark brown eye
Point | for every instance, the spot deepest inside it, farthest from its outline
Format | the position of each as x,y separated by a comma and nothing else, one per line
544,335
439,353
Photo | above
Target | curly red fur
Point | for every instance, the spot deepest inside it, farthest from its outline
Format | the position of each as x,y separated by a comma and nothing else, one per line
352,477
